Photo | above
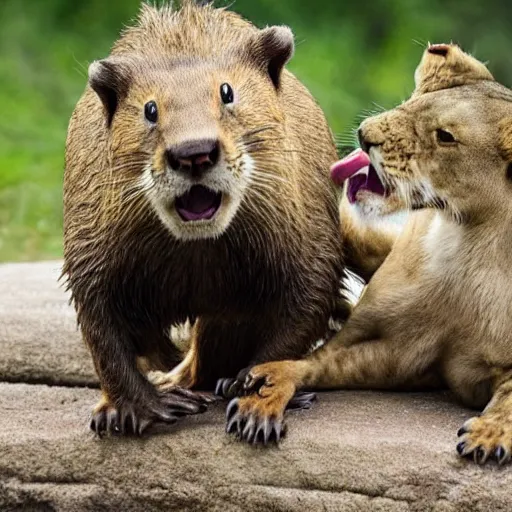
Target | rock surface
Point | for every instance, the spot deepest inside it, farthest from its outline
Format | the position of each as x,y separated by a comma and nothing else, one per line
354,451
39,339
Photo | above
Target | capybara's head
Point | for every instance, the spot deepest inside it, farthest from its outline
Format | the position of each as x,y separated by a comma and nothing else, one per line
191,102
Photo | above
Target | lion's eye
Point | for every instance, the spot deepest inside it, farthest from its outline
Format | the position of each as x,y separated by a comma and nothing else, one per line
444,137
226,94
151,112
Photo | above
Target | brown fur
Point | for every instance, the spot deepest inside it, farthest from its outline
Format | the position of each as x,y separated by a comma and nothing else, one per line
438,311
262,283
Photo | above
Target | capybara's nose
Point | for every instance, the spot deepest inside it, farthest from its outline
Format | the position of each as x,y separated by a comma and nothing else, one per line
194,157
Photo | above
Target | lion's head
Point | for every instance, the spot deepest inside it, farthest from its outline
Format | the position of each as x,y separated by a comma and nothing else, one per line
449,146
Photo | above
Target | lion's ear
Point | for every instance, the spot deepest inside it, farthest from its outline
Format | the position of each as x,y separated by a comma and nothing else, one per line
505,138
446,65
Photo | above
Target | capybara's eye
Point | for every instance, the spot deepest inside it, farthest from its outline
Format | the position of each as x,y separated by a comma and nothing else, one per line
151,112
444,137
226,93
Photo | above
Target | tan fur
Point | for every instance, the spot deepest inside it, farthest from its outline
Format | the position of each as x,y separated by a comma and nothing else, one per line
366,246
446,65
439,310
260,278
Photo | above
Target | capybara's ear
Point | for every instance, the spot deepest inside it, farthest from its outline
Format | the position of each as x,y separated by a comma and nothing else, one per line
270,49
110,79
446,65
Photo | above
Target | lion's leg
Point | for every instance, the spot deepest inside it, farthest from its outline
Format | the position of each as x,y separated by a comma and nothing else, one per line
365,247
346,362
490,435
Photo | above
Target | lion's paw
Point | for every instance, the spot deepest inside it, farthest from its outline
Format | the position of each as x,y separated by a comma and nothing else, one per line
487,437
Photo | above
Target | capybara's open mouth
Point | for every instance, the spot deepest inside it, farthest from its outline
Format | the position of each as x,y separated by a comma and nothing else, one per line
199,203
358,169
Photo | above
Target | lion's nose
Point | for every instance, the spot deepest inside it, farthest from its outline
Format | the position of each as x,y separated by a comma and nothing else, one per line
363,141
370,134
194,157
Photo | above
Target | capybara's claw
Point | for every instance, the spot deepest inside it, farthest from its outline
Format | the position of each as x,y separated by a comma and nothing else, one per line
98,423
134,418
117,421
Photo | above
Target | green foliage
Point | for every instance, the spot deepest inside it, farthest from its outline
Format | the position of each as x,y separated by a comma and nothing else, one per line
355,58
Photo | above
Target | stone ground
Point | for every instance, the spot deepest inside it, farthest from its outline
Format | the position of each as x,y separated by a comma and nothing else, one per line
354,451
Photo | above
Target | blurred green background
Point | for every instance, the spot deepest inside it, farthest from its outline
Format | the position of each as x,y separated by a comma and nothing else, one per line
354,57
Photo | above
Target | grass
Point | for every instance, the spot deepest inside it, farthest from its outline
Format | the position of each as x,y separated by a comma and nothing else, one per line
353,60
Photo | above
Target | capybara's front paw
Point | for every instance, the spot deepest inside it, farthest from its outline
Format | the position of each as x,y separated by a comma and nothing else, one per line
132,418
487,437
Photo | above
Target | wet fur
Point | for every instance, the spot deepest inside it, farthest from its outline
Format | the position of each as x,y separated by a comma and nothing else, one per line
263,288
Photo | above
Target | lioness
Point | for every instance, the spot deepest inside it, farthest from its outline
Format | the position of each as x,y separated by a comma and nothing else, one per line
439,310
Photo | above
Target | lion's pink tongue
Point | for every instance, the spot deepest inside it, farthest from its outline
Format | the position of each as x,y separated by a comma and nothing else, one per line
349,165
